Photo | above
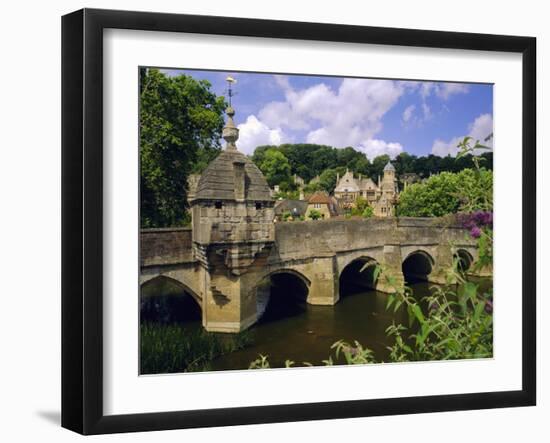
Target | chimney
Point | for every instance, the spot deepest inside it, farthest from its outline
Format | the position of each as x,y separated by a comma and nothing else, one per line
337,177
239,177
302,197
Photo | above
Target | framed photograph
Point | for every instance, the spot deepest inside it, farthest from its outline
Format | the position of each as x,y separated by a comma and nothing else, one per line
269,221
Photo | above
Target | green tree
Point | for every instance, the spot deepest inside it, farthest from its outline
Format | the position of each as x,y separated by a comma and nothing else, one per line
327,179
448,193
314,214
368,212
275,167
361,205
181,121
309,160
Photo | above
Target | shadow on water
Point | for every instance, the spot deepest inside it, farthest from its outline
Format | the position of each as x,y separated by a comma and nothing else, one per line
163,301
294,330
287,299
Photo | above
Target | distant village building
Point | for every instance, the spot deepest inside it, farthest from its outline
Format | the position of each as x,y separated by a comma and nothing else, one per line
315,180
388,191
324,203
349,189
299,181
275,190
295,209
408,178
381,197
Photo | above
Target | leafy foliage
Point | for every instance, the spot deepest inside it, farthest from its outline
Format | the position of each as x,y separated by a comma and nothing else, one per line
181,121
368,212
362,208
448,193
275,167
314,214
454,324
174,348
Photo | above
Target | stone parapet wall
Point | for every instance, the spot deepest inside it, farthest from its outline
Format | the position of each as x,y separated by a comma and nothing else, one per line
321,237
165,246
318,238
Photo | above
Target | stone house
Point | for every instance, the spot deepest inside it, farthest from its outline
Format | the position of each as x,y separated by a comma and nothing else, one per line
324,203
381,197
349,188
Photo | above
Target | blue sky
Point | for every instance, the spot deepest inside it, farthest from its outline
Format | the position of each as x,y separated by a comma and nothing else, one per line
374,116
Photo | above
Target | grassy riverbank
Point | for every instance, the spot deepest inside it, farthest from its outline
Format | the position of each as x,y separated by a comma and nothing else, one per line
170,348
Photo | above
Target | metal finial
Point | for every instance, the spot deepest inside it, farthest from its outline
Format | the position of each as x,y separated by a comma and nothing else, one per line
230,80
230,132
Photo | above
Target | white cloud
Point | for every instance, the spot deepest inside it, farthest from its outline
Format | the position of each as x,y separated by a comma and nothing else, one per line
479,129
426,89
374,147
446,90
442,90
350,115
254,133
343,117
408,113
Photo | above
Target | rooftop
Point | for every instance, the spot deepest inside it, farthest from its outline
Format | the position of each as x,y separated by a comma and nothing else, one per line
320,197
217,182
389,167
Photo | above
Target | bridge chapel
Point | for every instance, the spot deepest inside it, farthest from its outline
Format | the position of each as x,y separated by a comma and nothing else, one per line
232,231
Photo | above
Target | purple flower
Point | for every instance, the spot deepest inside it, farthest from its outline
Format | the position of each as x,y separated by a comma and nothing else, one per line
483,218
474,221
475,232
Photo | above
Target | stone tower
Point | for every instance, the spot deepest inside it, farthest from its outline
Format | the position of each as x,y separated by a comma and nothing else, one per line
385,205
389,181
233,232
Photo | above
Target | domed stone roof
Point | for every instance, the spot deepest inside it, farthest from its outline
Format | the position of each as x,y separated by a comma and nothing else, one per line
223,178
217,182
389,167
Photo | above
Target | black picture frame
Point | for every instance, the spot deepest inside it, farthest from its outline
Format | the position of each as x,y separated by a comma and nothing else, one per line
82,218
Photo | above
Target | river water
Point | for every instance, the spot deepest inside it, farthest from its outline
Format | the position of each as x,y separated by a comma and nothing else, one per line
306,332
293,330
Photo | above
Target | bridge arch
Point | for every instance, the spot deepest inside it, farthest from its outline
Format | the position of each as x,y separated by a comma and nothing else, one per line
165,299
175,278
281,293
464,259
417,265
290,271
358,274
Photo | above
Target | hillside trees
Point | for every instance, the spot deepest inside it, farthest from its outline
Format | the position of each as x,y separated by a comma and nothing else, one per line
275,167
311,160
181,121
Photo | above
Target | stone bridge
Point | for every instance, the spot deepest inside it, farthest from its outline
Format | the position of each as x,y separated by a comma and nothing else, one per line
317,253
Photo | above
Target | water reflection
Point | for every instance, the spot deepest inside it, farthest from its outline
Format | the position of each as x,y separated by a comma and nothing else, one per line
360,316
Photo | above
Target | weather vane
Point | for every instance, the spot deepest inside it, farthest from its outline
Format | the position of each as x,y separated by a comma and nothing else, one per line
230,80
